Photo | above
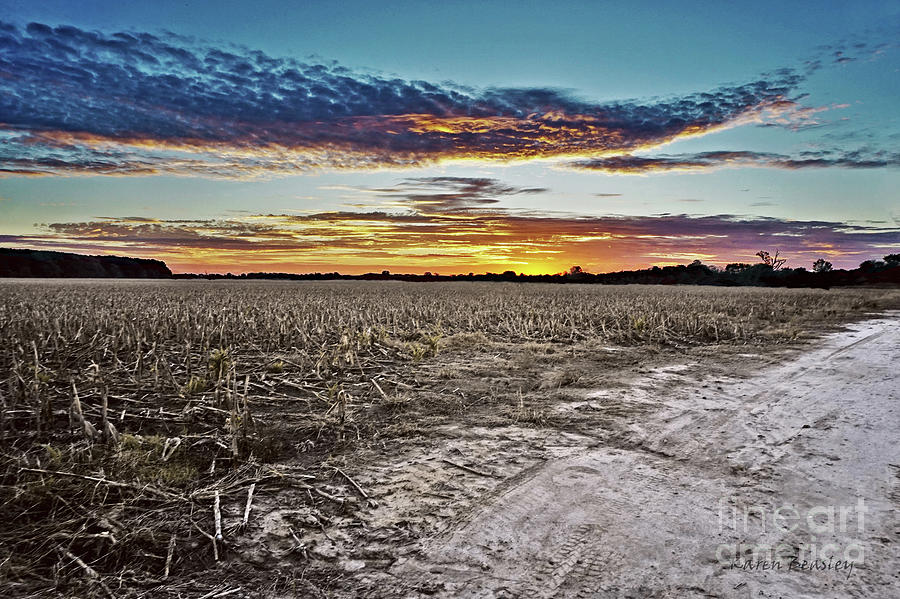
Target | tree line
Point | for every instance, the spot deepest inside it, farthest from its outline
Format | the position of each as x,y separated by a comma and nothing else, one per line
770,270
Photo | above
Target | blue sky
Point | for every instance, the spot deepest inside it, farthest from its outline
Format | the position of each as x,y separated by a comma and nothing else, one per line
589,120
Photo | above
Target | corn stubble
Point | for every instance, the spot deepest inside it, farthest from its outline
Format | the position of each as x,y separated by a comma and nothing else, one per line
129,411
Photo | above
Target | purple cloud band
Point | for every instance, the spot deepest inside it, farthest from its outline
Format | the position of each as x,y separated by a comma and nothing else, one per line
723,159
450,214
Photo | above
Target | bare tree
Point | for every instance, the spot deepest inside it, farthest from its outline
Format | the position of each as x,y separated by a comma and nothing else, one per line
769,260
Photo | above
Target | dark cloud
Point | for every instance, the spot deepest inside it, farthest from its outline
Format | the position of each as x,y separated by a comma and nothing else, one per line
73,100
709,160
861,46
450,194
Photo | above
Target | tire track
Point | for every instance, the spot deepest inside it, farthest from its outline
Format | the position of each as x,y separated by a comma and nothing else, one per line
646,521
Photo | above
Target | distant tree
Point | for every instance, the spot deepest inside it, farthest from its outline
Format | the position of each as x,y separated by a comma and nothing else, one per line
769,260
575,270
872,265
736,267
385,272
821,265
892,260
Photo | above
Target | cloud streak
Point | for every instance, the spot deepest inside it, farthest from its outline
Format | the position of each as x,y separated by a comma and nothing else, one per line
74,101
465,232
451,194
734,159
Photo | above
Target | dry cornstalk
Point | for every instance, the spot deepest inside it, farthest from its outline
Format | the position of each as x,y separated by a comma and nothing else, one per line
211,538
247,507
246,417
217,515
108,429
467,469
380,390
359,489
169,554
77,415
92,574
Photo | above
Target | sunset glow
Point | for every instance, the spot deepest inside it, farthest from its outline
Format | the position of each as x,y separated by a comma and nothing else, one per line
261,153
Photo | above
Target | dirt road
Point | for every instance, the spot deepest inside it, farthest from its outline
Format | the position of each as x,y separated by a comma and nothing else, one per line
784,484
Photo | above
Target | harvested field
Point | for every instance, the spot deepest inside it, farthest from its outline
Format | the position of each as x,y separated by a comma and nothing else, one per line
264,439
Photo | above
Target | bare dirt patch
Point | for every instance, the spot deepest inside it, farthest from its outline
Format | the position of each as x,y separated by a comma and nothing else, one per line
647,508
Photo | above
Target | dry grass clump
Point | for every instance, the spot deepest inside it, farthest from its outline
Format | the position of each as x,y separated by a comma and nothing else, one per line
128,410
525,414
468,340
560,377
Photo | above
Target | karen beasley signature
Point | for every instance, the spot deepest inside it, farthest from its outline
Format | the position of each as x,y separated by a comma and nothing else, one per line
795,565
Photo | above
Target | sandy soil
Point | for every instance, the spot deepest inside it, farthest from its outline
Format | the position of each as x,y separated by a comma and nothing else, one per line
674,496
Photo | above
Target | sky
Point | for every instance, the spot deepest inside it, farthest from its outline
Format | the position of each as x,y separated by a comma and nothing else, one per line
461,137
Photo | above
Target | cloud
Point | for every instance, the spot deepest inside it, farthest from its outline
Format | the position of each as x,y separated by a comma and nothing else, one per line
862,46
724,159
76,101
451,194
460,237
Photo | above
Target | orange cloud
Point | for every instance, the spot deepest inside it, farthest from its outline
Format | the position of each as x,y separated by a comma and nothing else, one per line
459,237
